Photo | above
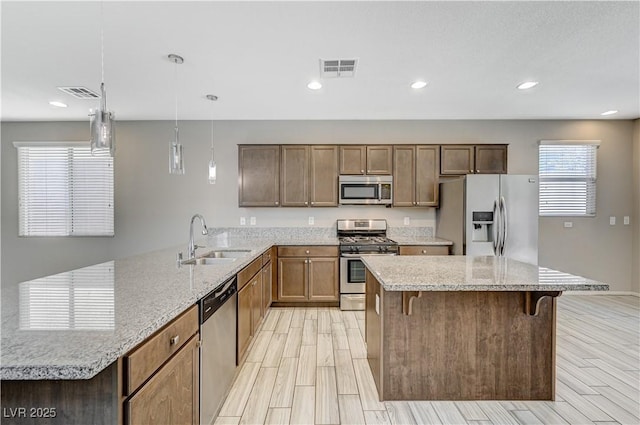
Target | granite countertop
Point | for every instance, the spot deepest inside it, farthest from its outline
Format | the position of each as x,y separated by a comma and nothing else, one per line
421,240
74,324
463,273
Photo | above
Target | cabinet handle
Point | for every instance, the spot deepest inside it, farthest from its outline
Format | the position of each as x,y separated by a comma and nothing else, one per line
424,251
174,340
307,251
362,171
306,203
276,202
312,203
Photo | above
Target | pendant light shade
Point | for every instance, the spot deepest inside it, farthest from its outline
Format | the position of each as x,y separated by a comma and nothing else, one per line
102,123
212,162
102,128
176,154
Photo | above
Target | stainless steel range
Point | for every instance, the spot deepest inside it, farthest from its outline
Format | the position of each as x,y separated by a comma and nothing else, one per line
359,237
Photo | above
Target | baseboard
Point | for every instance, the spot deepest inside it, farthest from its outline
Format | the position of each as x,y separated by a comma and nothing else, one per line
635,294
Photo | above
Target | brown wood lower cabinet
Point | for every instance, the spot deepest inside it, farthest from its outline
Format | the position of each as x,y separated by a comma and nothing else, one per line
308,274
254,298
171,395
424,249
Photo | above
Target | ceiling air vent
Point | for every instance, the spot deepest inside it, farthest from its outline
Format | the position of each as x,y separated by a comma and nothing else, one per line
80,92
338,68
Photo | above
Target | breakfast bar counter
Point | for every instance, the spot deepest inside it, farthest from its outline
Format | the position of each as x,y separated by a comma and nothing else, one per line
463,328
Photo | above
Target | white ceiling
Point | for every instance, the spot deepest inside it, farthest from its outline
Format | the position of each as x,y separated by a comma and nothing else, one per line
259,56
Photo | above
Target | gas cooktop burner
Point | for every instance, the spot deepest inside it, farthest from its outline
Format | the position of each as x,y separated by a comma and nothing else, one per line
366,240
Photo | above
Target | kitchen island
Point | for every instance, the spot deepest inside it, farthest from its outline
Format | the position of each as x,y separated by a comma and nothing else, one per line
463,328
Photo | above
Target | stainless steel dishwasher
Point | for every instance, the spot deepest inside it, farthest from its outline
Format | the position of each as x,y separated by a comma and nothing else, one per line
218,348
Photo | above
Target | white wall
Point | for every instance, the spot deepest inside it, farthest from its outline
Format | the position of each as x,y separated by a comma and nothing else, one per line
153,207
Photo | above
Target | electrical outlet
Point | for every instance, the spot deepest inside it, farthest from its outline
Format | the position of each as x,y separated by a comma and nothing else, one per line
312,221
407,221
252,221
568,224
612,220
626,220
243,221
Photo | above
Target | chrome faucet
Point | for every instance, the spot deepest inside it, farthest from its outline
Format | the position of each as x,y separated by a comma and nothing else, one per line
192,246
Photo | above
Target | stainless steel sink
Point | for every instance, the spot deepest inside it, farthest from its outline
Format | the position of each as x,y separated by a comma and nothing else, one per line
208,261
227,254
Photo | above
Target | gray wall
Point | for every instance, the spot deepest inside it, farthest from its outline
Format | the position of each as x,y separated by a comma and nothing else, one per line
636,201
153,207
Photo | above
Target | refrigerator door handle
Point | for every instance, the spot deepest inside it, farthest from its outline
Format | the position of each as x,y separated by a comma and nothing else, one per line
496,227
504,224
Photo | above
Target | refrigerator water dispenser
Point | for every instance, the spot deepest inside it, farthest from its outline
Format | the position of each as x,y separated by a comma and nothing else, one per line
482,230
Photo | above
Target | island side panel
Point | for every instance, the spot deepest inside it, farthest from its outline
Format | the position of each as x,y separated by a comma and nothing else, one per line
373,328
94,401
466,346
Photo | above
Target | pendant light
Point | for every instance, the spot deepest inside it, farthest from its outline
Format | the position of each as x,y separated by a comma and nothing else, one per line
102,122
212,162
176,158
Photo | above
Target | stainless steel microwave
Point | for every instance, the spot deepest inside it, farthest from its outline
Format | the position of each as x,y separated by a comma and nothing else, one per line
367,190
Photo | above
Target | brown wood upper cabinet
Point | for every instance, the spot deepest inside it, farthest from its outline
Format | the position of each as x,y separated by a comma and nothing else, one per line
473,159
259,175
309,176
307,273
415,175
366,159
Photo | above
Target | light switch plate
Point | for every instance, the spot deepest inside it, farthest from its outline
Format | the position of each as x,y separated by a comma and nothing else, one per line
252,221
626,220
312,221
407,221
568,224
612,220
243,221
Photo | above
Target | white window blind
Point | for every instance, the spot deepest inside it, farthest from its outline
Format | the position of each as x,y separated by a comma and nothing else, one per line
567,177
63,190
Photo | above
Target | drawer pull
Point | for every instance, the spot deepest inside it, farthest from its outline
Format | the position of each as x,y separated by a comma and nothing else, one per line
307,251
424,251
174,340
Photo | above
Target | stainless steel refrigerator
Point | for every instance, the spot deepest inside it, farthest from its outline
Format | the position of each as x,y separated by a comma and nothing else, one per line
490,214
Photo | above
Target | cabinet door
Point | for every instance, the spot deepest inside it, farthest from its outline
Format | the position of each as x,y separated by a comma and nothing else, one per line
323,183
294,176
323,279
353,159
404,176
292,279
259,175
379,159
491,159
427,171
244,320
171,395
256,302
456,159
266,288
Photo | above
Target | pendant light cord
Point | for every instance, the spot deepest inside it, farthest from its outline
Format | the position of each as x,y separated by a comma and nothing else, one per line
102,40
175,83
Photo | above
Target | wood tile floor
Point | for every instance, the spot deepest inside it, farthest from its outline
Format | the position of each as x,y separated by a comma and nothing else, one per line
308,366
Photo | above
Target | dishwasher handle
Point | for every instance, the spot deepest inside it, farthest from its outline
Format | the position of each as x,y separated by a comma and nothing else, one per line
217,298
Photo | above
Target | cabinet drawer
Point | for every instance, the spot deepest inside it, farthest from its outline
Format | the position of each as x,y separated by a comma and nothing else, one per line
144,360
424,250
307,251
266,257
245,275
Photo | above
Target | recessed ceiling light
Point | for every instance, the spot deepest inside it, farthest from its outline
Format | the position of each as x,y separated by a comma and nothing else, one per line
58,104
418,84
527,85
611,112
314,85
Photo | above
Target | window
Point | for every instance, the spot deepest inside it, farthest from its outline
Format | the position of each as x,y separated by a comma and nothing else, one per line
63,190
567,177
